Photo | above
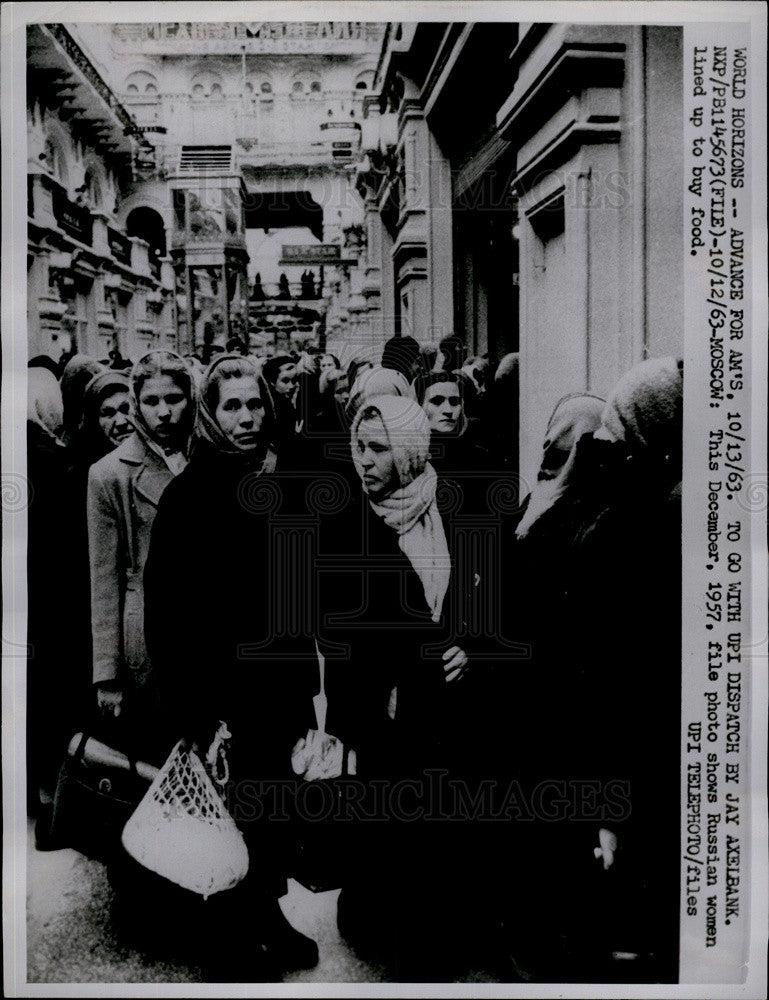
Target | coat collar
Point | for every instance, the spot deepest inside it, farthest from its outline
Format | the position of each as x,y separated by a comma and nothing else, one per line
132,451
153,474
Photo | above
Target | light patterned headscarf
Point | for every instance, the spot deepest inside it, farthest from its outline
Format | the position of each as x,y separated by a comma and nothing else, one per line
207,430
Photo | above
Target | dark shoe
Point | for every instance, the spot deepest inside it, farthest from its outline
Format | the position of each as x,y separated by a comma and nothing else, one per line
366,922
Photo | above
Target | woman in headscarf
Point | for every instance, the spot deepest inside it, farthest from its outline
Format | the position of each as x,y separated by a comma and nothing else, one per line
103,422
47,571
626,621
541,691
562,478
78,372
603,526
227,633
395,659
377,381
124,489
360,361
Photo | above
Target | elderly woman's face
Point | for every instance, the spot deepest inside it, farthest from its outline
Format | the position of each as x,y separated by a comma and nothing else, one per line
240,411
374,459
115,417
443,406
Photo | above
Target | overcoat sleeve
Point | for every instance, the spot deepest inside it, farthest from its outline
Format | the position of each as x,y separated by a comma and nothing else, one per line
104,551
174,643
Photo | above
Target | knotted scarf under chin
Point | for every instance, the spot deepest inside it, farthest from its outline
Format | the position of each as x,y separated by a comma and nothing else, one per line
412,512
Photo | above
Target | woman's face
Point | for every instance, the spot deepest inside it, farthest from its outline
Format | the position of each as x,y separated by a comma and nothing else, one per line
443,406
285,383
163,406
240,411
342,391
374,459
115,417
327,364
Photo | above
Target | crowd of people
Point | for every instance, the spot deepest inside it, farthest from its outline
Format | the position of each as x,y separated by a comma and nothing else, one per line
226,542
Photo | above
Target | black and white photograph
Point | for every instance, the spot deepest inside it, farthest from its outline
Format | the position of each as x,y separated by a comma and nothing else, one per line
384,549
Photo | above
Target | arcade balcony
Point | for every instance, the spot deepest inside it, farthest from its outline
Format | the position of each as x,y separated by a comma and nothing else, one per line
62,77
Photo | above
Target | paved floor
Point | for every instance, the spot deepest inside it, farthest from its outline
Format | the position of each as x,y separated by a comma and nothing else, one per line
70,937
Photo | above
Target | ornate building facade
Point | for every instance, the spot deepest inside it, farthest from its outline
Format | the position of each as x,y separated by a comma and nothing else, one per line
257,127
93,284
515,184
168,145
523,190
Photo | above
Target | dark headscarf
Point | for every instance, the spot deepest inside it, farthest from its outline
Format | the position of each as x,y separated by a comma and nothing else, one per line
208,433
574,416
77,374
399,354
89,442
645,413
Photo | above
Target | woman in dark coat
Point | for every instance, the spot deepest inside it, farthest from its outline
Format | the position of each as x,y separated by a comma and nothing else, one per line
48,697
456,449
599,551
628,559
538,703
396,604
227,631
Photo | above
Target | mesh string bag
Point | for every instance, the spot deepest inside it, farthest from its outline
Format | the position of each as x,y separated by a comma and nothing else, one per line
182,830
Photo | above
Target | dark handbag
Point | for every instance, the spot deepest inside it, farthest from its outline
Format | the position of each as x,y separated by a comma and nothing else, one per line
323,845
97,790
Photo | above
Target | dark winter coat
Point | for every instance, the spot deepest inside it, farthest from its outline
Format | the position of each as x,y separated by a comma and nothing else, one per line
377,634
228,607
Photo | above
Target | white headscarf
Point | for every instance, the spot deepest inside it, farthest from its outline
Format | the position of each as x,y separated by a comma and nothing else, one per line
44,404
411,510
377,381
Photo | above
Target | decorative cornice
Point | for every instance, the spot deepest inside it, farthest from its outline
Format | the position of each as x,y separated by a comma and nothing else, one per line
408,250
573,69
446,50
563,147
89,71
